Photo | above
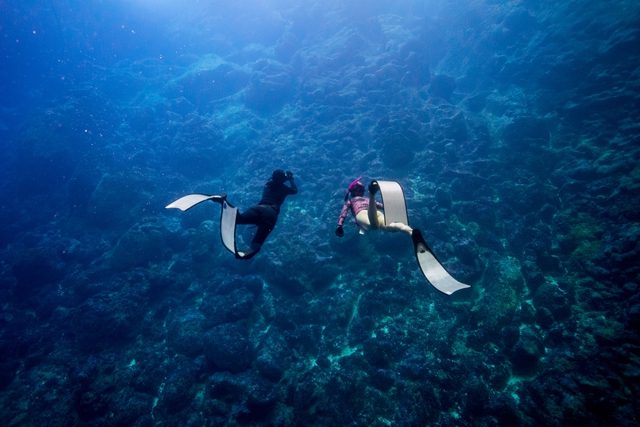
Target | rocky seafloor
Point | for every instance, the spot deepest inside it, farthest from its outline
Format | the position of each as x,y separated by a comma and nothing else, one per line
513,128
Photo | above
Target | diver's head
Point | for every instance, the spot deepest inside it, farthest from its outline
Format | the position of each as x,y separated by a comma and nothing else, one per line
356,189
278,176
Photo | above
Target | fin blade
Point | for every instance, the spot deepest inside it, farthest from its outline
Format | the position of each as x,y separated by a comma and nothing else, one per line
395,206
228,227
187,202
433,271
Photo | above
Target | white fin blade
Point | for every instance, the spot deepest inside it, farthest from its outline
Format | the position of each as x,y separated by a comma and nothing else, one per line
435,272
395,207
188,201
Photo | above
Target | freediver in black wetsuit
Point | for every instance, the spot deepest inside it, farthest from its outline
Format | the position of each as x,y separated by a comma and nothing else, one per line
265,213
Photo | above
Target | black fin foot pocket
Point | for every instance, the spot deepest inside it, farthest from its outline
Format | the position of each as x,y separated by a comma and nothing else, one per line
416,236
374,187
219,198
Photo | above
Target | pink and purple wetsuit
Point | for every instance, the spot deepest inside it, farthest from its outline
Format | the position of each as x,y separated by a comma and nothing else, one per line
355,205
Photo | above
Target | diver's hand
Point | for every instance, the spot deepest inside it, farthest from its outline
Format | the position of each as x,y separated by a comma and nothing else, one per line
339,231
289,175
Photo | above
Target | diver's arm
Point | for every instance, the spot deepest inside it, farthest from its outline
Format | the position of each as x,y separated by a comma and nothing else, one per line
343,213
294,188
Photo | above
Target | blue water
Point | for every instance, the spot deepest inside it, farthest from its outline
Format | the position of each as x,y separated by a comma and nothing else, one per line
511,126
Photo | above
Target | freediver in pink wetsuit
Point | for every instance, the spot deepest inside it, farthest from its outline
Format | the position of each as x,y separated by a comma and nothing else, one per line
365,210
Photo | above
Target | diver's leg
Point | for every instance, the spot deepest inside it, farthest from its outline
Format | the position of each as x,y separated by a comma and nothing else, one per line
373,209
397,226
362,219
256,244
267,220
249,217
394,226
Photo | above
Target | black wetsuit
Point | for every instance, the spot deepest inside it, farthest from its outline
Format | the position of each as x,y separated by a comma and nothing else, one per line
265,213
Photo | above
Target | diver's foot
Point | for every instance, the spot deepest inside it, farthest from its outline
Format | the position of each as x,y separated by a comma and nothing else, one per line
246,255
374,187
219,198
249,253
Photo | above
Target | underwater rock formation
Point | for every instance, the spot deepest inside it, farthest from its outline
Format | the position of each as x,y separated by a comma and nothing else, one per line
512,128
